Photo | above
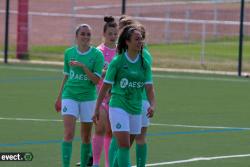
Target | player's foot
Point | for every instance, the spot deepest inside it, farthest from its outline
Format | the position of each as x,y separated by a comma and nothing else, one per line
89,164
90,161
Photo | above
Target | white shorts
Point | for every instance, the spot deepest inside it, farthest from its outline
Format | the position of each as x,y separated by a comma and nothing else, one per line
144,119
82,110
120,120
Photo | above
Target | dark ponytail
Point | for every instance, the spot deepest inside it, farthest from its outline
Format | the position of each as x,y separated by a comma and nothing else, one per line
125,35
142,59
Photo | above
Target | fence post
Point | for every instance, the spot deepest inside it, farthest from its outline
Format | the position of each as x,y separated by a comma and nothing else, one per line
73,21
215,32
123,7
241,35
6,40
187,33
203,43
22,29
167,28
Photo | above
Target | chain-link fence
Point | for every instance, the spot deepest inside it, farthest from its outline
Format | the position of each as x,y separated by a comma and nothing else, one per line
190,34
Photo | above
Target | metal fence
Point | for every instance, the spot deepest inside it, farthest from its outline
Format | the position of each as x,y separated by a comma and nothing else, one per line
52,23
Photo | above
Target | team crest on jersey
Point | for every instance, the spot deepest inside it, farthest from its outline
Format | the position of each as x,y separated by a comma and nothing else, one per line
65,109
118,126
91,60
124,82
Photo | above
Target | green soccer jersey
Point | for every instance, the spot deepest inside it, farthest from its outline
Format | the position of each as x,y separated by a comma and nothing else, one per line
128,78
148,58
78,86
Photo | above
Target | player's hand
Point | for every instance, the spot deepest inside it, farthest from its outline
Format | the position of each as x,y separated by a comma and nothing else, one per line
58,105
95,117
76,63
150,112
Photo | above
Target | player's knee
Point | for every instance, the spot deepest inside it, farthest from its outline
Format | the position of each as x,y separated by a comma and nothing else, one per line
123,143
140,139
108,133
86,138
69,136
99,131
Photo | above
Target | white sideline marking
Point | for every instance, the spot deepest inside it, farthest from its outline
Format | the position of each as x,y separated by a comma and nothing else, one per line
198,159
58,63
31,119
154,164
152,124
155,75
200,78
193,126
32,69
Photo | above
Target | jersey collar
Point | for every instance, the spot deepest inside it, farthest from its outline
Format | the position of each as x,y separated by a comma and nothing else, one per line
132,61
83,53
111,49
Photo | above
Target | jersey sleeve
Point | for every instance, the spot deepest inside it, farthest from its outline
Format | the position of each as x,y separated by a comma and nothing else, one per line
99,63
111,72
66,64
148,74
147,56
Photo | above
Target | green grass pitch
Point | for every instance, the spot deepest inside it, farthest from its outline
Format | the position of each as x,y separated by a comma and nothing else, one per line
197,116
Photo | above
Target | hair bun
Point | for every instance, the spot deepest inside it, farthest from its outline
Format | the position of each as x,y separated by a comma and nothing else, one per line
109,19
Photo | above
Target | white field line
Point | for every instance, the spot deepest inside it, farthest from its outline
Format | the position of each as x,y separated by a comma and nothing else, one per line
33,62
194,126
152,124
198,159
171,76
194,71
31,69
31,119
154,164
155,4
153,19
200,78
154,68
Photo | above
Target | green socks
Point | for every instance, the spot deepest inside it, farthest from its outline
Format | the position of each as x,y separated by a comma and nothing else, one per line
118,155
85,152
123,157
112,152
91,152
66,153
141,155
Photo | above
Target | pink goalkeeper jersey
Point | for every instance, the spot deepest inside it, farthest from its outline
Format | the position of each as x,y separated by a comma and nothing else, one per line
108,54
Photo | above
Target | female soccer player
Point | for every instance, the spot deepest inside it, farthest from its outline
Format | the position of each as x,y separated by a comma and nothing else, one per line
103,133
77,96
141,143
127,75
